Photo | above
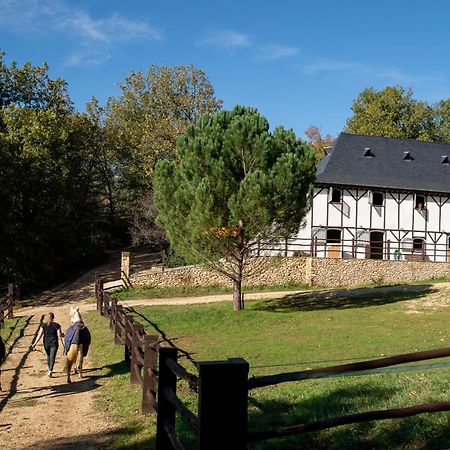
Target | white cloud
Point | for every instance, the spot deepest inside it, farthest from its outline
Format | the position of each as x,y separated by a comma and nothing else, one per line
274,52
228,39
390,74
326,65
95,37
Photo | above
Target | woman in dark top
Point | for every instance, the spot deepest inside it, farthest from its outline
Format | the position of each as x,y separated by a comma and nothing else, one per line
51,330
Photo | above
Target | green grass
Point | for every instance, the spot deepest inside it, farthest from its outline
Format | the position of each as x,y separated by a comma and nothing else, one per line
117,398
194,291
307,330
13,329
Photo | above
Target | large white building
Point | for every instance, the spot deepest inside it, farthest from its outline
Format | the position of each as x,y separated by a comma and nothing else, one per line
380,198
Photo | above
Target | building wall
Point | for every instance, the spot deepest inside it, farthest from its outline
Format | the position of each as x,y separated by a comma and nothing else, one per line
397,219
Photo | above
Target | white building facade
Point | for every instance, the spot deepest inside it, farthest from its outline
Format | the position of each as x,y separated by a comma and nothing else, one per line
380,198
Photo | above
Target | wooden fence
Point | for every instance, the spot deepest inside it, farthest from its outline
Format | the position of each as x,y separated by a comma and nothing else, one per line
7,301
141,349
223,388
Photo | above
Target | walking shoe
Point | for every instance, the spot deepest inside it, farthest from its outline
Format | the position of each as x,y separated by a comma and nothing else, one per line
50,375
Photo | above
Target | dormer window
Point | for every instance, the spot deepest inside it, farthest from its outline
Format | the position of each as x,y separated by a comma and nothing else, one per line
444,160
336,195
420,202
377,198
368,153
407,156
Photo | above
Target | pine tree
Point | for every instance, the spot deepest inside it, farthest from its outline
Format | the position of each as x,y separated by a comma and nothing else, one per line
233,183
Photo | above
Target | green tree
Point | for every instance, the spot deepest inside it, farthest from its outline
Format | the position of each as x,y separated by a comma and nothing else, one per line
392,112
233,183
154,108
32,87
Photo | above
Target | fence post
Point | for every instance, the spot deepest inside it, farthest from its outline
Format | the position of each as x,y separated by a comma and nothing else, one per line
166,412
135,367
118,316
149,384
106,304
10,302
100,296
223,402
128,322
112,316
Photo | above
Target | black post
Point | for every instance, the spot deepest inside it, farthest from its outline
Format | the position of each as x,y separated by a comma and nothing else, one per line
166,412
223,401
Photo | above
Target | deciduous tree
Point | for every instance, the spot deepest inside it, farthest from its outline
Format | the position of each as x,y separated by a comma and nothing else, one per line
392,112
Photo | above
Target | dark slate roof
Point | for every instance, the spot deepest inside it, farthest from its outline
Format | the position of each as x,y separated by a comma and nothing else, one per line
345,164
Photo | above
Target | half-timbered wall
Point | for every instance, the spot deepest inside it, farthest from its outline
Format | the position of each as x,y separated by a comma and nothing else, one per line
402,220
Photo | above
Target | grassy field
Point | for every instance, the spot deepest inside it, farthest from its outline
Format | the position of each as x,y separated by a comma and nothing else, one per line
304,331
12,330
195,291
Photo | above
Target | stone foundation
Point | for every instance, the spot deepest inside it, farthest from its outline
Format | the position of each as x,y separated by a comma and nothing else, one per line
317,272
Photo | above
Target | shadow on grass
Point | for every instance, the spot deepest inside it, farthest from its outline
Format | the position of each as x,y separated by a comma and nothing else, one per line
421,431
345,298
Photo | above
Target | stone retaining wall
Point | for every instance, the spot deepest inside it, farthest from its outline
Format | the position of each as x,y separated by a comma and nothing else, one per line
272,271
329,272
326,272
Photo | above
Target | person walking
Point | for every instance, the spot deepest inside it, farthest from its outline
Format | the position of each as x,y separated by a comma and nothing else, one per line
51,330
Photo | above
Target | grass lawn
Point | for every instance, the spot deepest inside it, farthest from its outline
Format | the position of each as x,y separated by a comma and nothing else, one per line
315,330
13,330
194,291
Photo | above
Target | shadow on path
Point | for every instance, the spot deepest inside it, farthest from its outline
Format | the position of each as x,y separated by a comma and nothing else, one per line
20,366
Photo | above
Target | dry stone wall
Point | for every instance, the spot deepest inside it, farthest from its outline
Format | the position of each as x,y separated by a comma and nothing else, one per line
329,272
269,271
318,272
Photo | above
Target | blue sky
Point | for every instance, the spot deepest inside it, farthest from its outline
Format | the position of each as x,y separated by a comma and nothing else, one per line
298,62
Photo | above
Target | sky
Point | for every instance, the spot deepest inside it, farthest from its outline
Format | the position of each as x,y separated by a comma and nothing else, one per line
298,62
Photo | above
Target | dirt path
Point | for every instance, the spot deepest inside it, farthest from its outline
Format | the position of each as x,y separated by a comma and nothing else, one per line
47,413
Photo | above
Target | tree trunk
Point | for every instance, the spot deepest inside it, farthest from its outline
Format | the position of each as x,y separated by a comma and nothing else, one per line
237,294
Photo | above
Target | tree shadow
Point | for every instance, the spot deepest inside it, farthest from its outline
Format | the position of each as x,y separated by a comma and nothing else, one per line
345,298
411,432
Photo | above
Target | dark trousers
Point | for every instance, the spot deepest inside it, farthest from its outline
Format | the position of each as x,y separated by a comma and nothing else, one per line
51,356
